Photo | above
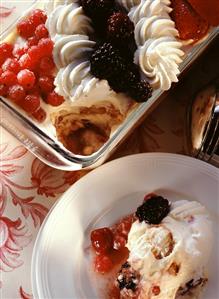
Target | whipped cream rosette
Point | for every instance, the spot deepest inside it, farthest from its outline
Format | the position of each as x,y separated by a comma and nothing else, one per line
158,53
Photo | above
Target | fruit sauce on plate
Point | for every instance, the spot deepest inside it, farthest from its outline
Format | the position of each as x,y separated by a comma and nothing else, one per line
146,254
111,253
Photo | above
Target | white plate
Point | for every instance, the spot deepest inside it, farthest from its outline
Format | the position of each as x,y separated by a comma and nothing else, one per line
60,267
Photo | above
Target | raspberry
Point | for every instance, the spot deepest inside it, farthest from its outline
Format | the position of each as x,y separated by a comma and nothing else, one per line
11,64
130,77
26,79
8,78
98,8
38,17
102,240
46,84
5,51
103,264
153,210
3,90
26,62
46,63
39,115
119,27
140,92
106,62
46,46
16,93
54,99
41,31
25,28
30,104
19,50
32,41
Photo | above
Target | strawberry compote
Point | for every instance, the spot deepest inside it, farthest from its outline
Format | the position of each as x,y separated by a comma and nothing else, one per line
109,243
27,68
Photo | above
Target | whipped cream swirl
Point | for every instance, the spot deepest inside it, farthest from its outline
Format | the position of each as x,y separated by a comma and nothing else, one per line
68,19
69,48
128,4
75,80
70,28
158,53
159,59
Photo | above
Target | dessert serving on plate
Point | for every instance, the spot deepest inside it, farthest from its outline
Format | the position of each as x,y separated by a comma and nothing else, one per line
80,67
162,251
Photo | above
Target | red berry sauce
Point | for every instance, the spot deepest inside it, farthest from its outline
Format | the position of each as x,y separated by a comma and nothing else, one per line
109,245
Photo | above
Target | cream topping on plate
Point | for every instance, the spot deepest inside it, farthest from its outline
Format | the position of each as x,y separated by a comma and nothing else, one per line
174,252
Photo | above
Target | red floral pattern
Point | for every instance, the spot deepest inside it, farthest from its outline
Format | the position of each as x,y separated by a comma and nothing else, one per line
24,295
13,238
5,11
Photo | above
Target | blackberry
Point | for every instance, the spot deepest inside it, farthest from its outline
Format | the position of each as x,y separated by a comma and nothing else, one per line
153,210
105,62
130,76
119,27
141,91
98,9
128,278
127,49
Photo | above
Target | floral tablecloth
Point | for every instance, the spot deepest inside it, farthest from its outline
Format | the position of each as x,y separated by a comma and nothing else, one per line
29,188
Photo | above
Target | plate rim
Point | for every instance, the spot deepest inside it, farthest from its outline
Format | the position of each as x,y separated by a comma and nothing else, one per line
179,159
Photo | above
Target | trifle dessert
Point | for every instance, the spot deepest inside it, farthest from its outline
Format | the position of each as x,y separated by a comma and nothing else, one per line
80,67
163,247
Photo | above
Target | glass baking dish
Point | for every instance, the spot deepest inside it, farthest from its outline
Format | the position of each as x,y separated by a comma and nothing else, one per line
48,149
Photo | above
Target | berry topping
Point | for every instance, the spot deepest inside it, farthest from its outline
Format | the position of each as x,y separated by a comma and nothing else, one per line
46,84
141,91
26,79
46,63
106,62
102,240
38,17
39,115
5,51
208,10
128,278
19,50
41,31
16,93
130,77
11,64
34,53
32,41
25,28
189,24
30,104
54,99
103,264
3,90
46,46
119,28
8,78
98,9
153,210
26,62
156,290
